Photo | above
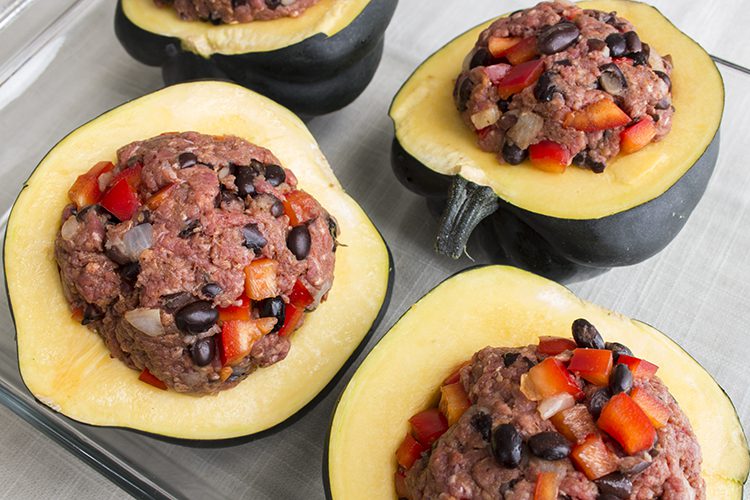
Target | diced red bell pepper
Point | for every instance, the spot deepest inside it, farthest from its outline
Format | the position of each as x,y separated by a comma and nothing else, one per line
85,190
552,346
260,279
549,156
427,426
624,420
520,77
600,115
653,407
575,423
77,314
409,451
292,318
401,490
225,373
158,197
300,207
455,376
592,365
239,312
638,136
238,338
523,51
497,72
546,486
640,368
149,378
130,174
300,295
499,46
593,458
453,402
550,378
121,200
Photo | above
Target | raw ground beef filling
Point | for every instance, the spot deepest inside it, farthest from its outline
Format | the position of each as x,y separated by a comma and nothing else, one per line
586,56
207,209
236,11
461,463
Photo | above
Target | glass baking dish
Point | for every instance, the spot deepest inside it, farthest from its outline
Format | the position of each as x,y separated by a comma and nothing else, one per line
60,66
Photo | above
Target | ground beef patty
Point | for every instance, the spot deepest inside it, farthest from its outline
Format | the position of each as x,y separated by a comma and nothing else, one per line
197,243
573,58
462,463
236,11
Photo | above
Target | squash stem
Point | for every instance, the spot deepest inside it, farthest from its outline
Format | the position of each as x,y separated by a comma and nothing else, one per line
467,206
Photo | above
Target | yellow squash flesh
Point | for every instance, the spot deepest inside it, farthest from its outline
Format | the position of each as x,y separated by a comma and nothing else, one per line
504,306
430,128
67,366
327,17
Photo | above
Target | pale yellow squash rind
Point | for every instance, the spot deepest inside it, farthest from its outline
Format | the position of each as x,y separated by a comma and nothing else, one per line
327,17
67,366
429,127
504,306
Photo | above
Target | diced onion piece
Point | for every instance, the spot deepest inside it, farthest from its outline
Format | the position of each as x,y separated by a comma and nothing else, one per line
104,180
146,320
133,243
486,117
69,228
526,129
555,404
528,388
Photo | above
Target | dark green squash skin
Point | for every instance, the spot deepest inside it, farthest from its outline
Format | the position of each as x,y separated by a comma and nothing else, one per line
316,76
568,250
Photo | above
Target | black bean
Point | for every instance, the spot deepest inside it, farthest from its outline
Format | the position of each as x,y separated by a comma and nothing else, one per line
254,239
580,159
228,198
664,77
129,272
277,209
187,160
211,290
91,313
174,301
558,37
615,484
639,58
504,105
481,57
243,179
273,308
633,42
510,357
596,166
512,154
238,3
196,317
598,401
529,362
273,4
507,445
544,90
621,380
586,335
665,103
463,93
549,446
298,241
617,45
617,350
564,62
275,175
190,229
612,80
594,44
482,423
203,351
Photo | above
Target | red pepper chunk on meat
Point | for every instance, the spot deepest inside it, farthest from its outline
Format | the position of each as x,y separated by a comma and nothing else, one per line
654,408
520,77
85,190
300,207
409,451
546,486
552,346
549,156
638,136
121,200
550,377
260,279
524,51
592,365
149,378
239,312
499,46
601,115
453,402
640,368
593,458
239,337
624,420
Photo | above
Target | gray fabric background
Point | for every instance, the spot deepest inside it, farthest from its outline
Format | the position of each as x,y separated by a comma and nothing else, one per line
58,72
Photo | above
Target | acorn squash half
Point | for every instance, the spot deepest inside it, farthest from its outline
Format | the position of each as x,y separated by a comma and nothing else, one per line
503,306
577,224
67,367
313,64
